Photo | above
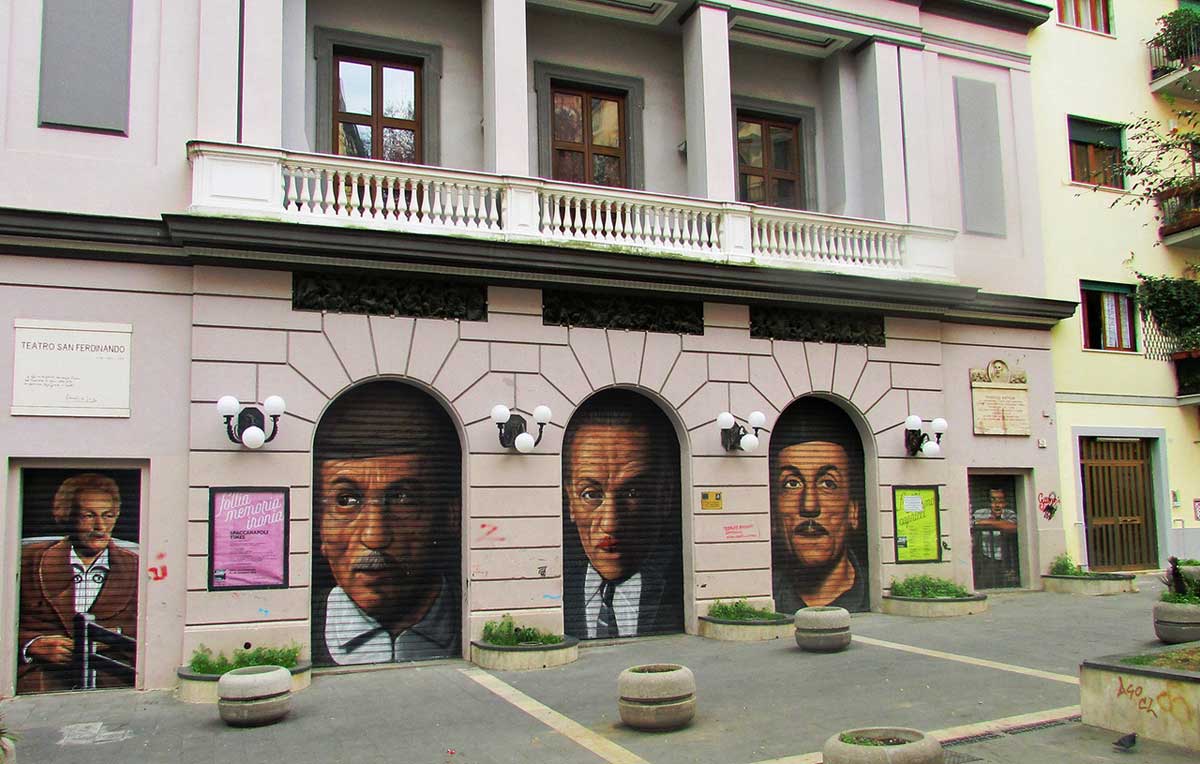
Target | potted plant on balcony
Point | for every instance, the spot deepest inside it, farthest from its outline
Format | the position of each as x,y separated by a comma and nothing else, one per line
1178,36
507,646
1173,304
1177,614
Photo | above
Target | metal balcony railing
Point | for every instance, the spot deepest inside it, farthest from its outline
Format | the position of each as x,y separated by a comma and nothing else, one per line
1179,208
1180,53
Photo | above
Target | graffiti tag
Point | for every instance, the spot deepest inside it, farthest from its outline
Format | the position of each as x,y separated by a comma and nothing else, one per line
741,531
1048,504
489,531
1175,705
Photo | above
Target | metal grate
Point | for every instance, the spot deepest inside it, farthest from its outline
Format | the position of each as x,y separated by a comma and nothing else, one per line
1033,727
1156,346
958,757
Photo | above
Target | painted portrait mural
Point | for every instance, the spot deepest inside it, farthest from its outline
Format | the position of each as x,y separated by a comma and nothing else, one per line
622,549
78,605
995,552
818,509
387,491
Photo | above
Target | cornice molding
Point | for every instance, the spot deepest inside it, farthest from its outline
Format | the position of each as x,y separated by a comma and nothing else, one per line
1014,15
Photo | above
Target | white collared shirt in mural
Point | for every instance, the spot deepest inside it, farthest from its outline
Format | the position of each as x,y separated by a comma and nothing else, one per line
89,579
353,637
627,596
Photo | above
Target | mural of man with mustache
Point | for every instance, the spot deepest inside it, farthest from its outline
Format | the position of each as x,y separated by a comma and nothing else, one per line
818,528
386,501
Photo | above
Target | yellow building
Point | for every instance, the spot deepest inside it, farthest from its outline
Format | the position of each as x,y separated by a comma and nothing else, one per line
1130,493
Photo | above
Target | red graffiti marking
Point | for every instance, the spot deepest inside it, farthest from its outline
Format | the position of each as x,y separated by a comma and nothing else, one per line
741,531
489,530
1135,695
1048,504
158,572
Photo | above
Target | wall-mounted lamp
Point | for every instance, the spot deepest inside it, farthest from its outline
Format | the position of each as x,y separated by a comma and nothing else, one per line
734,436
250,430
917,442
512,427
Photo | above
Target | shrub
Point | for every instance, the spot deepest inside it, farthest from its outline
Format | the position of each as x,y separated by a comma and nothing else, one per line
1182,589
740,611
203,661
8,736
507,633
927,587
1063,565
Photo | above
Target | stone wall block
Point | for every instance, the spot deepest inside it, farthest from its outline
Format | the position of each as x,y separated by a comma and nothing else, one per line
930,404
890,411
249,468
562,370
245,282
743,399
794,365
534,390
768,380
821,360
591,348
627,348
545,501
211,343
298,393
727,315
393,339
350,337
911,329
732,584
514,300
908,351
311,355
754,499
848,368
514,532
504,564
247,607
658,358
724,367
733,556
516,470
210,381
465,365
514,356
874,383
723,340
689,374
725,527
735,469
252,313
704,406
510,327
484,438
476,402
917,376
513,594
433,339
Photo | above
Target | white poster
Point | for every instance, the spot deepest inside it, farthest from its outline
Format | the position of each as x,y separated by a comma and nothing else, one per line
70,368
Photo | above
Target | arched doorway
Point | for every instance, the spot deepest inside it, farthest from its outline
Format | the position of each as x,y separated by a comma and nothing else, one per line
622,527
387,470
818,509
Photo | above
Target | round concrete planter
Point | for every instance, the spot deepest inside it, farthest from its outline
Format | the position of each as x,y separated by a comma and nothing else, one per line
524,657
745,631
1174,623
9,751
656,696
934,608
202,688
921,749
822,629
1095,584
255,695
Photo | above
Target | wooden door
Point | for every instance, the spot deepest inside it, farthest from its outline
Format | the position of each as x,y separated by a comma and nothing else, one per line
1118,504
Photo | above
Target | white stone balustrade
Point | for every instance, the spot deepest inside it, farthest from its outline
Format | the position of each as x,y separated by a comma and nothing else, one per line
321,189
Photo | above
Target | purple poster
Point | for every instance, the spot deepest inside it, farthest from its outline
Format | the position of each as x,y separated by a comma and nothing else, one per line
249,538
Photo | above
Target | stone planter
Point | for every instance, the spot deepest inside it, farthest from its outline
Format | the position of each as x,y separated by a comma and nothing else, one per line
1095,584
920,748
524,657
745,631
255,695
934,608
1157,703
822,629
1174,623
202,688
9,751
657,696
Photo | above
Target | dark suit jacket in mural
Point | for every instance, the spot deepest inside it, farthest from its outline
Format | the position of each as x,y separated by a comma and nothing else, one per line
48,608
660,607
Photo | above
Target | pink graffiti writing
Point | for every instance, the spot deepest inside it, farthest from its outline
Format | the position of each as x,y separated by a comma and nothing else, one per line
1048,504
489,532
741,531
1136,695
158,572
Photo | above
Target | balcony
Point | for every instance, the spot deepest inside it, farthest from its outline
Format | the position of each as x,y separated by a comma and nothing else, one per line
325,190
1179,210
1175,64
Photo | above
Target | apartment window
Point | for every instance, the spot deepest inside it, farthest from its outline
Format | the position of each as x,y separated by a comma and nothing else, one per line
1095,152
376,108
85,67
378,97
1108,316
770,164
588,138
1095,15
589,126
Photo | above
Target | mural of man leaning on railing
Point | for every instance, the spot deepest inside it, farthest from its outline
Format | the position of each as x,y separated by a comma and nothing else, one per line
78,606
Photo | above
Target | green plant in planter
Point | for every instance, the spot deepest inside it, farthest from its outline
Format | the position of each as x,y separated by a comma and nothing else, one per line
1173,303
203,661
1178,34
1182,589
1063,565
506,633
740,610
927,587
846,737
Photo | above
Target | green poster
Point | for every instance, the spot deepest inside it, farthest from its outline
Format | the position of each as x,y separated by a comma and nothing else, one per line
918,532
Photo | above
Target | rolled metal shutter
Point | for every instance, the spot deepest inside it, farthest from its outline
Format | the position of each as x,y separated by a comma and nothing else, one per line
387,475
818,509
622,548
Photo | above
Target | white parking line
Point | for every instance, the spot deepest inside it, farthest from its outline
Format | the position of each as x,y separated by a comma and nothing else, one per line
1065,678
592,741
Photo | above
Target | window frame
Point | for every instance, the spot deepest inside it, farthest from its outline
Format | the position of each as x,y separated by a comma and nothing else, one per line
1124,303
805,120
1093,153
428,57
587,147
548,76
376,120
1067,11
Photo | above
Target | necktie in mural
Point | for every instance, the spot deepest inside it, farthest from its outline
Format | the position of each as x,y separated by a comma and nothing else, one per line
606,624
